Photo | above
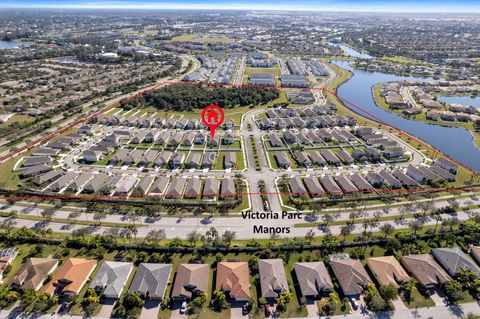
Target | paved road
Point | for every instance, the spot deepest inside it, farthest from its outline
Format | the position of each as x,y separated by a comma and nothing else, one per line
244,229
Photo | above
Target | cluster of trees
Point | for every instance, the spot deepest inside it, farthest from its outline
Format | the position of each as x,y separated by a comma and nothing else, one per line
90,302
196,304
129,307
329,305
183,97
37,302
467,282
375,301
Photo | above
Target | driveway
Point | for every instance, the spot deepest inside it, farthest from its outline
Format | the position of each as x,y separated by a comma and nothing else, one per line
150,309
438,296
176,311
398,304
107,307
312,308
236,310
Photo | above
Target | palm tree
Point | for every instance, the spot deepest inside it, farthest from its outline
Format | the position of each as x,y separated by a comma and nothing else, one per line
438,218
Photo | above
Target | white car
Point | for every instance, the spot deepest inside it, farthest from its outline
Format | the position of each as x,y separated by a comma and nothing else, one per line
183,308
354,303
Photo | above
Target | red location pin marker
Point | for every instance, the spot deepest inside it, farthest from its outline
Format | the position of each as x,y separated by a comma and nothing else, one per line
212,116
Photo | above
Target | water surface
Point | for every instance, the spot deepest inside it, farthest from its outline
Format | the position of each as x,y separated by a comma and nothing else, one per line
463,100
455,142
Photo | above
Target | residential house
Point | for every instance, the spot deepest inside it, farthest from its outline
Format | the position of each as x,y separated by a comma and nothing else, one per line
273,281
210,189
351,275
313,279
91,156
190,281
426,270
126,185
229,160
151,280
159,185
208,160
282,160
233,279
387,270
193,188
228,187
72,275
112,278
315,190
455,260
228,138
193,159
296,186
175,189
33,272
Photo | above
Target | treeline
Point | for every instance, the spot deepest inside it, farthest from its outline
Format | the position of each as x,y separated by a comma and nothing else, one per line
184,97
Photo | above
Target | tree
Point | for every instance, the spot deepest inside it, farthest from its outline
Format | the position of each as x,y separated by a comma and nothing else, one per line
330,242
155,236
132,300
193,237
454,290
345,231
309,235
283,300
415,225
388,229
99,215
228,236
48,213
219,300
74,215
388,292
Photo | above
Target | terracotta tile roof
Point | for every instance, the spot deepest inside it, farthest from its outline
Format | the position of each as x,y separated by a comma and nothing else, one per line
190,279
233,277
387,270
71,276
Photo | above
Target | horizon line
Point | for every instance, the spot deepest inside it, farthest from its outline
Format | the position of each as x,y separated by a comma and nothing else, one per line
470,10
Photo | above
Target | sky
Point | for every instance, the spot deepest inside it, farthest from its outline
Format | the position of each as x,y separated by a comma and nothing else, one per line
439,6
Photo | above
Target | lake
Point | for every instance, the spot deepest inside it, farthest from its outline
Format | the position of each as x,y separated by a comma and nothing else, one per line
12,44
455,142
463,100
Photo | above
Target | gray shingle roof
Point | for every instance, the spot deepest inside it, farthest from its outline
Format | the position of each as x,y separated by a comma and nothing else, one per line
313,278
112,277
454,260
151,279
273,281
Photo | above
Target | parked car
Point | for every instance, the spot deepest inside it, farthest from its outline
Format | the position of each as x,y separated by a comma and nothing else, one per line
268,310
183,308
354,303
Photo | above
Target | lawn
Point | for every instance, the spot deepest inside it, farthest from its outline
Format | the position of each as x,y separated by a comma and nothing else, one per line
418,300
401,60
275,71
